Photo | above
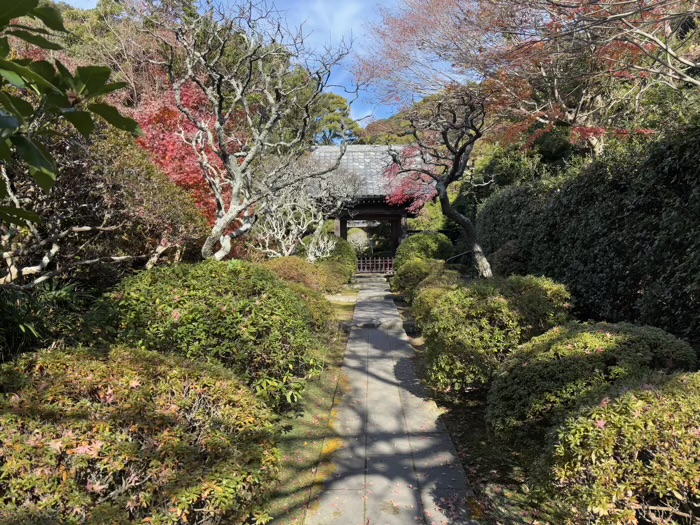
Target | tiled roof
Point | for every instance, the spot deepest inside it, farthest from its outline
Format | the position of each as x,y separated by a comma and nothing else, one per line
368,163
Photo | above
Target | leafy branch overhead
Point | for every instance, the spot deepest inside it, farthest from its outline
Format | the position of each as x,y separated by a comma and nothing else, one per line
36,96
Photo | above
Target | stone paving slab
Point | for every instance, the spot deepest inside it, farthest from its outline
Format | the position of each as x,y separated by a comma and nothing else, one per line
398,465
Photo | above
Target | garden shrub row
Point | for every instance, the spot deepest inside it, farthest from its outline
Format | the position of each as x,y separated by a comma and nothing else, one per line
169,415
576,364
470,330
425,245
235,313
607,414
126,436
324,276
412,273
623,233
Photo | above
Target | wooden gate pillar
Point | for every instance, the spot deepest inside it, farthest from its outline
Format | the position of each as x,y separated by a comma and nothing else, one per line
344,229
396,233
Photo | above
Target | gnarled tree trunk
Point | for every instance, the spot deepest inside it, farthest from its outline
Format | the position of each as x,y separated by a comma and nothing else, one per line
480,260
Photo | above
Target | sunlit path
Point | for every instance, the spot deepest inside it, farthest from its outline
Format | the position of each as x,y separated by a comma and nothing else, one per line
398,464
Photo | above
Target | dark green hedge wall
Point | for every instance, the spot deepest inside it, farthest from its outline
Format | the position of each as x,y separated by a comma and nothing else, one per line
623,233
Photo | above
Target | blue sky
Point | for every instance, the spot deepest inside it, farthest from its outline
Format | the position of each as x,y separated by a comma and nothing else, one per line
329,21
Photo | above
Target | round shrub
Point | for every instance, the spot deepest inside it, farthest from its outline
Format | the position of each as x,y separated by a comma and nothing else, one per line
470,330
426,245
578,363
130,436
541,303
333,275
446,278
633,458
411,273
321,312
296,270
424,304
345,253
238,313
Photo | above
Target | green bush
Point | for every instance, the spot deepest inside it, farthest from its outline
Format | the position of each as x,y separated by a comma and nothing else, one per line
450,277
425,245
321,312
37,317
424,304
470,330
633,458
541,303
334,275
508,260
345,253
238,313
554,373
412,273
129,436
429,291
623,233
296,270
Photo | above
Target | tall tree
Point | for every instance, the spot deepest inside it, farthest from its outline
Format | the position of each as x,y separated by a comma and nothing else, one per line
332,122
259,84
655,39
543,63
445,129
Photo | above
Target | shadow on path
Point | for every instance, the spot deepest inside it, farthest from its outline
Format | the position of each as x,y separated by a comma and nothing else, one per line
387,456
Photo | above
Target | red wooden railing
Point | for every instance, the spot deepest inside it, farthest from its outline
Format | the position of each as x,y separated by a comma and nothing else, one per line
375,265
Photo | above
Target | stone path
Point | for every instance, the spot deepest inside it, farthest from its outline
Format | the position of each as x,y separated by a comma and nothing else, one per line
398,464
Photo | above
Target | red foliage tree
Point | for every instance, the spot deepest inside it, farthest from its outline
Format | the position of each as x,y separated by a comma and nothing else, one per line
540,61
445,130
412,188
163,130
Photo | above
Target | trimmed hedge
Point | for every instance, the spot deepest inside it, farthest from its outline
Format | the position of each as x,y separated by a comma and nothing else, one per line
345,253
334,275
237,313
429,291
623,233
426,245
633,458
556,372
470,330
449,277
322,314
296,270
412,273
130,436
